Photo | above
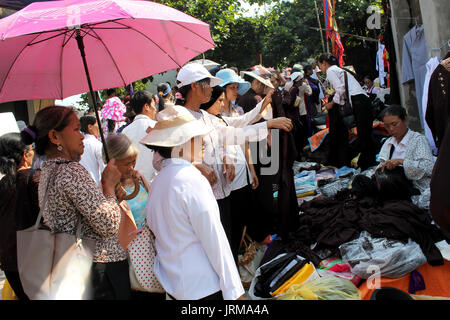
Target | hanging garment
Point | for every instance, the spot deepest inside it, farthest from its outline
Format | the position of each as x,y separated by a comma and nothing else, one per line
431,66
414,60
380,63
438,106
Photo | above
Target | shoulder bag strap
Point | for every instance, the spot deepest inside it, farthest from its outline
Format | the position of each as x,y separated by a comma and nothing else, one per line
347,95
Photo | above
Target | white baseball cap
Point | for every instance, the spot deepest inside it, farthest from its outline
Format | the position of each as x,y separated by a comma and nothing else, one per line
193,72
297,76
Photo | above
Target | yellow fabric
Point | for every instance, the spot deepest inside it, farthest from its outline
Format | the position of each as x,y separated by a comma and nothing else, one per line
7,292
306,194
298,278
325,288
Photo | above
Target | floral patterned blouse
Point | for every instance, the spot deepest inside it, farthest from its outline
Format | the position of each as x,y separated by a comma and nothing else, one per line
74,192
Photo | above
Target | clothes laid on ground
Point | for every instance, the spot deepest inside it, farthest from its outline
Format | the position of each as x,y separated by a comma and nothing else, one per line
436,279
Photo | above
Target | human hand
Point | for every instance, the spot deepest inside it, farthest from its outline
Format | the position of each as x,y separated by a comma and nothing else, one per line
228,169
207,172
255,181
110,177
328,106
390,164
282,123
120,192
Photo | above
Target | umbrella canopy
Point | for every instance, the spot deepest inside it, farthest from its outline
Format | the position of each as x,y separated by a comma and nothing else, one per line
124,41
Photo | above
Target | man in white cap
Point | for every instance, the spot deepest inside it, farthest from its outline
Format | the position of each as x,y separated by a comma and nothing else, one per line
194,259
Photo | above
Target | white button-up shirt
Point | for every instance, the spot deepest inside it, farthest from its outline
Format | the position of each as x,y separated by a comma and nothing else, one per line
194,259
92,158
335,77
136,131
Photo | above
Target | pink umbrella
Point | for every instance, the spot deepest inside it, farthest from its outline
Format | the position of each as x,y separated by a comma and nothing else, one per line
48,49
113,109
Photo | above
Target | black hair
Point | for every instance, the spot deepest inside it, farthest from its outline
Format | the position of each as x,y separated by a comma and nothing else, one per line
109,92
165,152
85,121
368,77
49,118
12,149
139,99
328,57
162,87
248,78
395,110
308,67
217,91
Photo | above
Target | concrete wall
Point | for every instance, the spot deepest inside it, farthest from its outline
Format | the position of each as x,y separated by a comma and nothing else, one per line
436,20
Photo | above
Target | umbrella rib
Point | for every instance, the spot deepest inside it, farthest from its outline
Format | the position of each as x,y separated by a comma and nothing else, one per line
55,36
145,36
178,24
15,59
110,55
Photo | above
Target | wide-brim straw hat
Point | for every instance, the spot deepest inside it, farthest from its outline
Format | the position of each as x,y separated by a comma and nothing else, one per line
174,127
261,74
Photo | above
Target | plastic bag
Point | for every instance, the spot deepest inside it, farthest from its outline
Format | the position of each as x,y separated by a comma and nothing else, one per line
305,182
392,258
325,288
8,292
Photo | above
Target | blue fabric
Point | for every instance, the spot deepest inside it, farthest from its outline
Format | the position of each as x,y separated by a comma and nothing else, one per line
137,206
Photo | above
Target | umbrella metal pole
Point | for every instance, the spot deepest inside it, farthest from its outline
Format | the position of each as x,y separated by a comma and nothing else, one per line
79,39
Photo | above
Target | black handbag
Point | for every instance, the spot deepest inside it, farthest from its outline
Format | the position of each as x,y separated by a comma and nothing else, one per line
346,110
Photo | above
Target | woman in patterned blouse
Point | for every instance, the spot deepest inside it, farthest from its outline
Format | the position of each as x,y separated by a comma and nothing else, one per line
408,149
73,194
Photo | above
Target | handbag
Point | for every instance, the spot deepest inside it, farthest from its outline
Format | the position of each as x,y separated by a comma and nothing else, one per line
346,110
54,266
142,253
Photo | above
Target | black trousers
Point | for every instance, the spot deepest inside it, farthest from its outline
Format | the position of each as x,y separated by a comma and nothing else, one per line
15,283
340,154
111,281
241,206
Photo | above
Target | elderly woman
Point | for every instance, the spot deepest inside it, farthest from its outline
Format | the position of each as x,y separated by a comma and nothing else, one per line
193,260
124,151
19,205
74,197
408,149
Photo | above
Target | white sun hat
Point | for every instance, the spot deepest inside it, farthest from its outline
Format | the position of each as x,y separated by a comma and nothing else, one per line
175,126
193,72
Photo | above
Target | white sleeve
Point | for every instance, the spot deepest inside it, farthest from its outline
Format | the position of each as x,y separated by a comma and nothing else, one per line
247,118
420,162
204,215
338,86
238,136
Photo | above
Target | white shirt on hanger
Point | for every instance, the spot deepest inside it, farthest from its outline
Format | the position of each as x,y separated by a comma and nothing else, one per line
92,158
194,259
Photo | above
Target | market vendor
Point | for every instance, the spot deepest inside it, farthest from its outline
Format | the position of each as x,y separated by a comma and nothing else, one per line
408,149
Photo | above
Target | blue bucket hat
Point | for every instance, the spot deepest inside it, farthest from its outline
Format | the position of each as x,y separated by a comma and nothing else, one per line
229,76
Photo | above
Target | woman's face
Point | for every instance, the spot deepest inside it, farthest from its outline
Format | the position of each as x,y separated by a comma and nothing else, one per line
126,166
395,126
232,91
93,129
217,107
323,66
28,156
275,82
71,139
203,90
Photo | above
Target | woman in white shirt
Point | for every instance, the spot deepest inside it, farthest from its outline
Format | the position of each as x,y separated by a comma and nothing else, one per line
408,149
362,110
193,260
92,158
